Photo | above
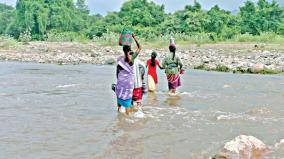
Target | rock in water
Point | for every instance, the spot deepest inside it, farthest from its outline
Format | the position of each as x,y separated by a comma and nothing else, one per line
257,68
244,147
110,61
280,144
139,114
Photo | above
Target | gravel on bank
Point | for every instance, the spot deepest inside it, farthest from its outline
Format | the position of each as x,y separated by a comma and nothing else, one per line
236,58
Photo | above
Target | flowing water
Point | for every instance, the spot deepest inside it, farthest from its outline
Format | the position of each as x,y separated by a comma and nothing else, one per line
58,112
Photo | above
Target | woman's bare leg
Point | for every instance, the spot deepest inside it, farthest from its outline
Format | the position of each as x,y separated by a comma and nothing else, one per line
127,111
172,90
139,106
118,107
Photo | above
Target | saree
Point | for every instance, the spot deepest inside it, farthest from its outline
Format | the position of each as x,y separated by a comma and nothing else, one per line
173,81
125,81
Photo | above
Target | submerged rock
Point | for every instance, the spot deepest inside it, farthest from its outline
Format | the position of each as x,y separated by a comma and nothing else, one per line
110,61
280,144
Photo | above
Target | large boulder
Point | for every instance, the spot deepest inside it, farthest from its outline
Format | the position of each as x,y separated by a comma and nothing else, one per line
244,147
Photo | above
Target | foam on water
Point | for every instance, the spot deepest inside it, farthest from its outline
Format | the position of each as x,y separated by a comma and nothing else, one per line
262,114
173,94
67,86
259,110
280,144
186,117
226,86
202,95
139,114
161,112
6,94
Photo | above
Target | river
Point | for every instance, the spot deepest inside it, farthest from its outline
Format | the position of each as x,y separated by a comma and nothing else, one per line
52,111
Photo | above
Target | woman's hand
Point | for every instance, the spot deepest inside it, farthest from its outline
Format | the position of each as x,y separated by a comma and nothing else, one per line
137,43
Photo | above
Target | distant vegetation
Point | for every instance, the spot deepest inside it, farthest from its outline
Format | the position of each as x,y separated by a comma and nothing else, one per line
66,20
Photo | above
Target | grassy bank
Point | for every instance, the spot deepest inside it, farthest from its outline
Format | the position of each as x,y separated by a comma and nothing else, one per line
264,40
200,39
221,68
7,42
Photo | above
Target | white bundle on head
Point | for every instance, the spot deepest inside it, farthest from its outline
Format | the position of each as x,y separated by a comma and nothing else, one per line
172,41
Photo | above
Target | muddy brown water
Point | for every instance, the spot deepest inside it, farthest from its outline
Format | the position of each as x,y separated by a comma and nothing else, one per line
51,111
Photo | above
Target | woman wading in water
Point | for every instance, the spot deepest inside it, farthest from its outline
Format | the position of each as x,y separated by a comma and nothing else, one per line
152,64
125,77
173,68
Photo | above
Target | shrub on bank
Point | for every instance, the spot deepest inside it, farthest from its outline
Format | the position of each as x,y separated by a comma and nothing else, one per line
25,36
109,38
222,68
266,37
7,41
251,71
54,36
152,39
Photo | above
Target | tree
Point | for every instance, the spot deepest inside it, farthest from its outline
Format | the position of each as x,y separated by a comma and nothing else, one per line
248,18
141,12
42,16
195,8
146,18
80,4
64,16
190,19
218,19
265,17
30,15
269,16
7,15
4,7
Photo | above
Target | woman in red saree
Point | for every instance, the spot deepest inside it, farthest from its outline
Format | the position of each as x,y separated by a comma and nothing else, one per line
152,64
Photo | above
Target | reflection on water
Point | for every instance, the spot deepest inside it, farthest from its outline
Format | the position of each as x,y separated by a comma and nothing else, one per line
173,100
50,111
152,98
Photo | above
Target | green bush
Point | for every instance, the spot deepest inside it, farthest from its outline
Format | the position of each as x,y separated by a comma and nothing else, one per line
266,37
222,68
54,36
201,38
109,38
7,41
200,67
25,36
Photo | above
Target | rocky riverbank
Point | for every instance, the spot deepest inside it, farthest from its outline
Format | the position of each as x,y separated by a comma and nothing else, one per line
247,58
